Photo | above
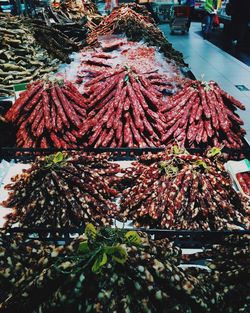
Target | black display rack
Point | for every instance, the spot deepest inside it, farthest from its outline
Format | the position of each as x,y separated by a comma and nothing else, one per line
25,155
182,238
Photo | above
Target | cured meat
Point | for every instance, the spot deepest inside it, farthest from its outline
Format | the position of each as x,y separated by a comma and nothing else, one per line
208,115
130,115
181,191
64,190
47,112
128,19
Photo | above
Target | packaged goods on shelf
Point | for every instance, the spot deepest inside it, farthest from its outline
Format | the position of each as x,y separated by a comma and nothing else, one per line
182,191
243,179
64,190
22,59
48,114
137,25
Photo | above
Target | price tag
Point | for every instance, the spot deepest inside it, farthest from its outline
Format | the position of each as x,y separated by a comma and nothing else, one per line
247,164
20,87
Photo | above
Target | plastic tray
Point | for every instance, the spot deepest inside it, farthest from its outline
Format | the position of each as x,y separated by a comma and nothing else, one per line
236,167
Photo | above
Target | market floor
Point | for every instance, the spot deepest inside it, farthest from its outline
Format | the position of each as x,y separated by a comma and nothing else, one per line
209,62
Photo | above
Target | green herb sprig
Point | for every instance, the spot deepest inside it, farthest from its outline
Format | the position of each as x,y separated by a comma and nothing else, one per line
106,246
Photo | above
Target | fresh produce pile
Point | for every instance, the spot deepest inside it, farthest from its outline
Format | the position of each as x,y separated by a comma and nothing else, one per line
137,27
166,76
244,181
107,271
48,114
202,115
21,58
64,190
229,276
182,191
124,109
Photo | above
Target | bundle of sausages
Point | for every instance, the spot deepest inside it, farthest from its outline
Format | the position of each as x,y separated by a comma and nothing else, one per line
202,115
166,76
229,273
182,191
124,109
67,279
64,190
48,114
129,19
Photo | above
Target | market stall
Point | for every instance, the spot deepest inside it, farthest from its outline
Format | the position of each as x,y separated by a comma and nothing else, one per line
124,182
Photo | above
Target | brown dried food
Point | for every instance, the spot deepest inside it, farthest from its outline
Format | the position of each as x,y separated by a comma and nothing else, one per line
182,191
229,273
22,59
146,272
64,190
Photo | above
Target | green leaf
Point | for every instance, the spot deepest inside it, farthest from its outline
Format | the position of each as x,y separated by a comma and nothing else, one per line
83,247
201,164
163,165
48,165
133,238
60,82
101,260
120,255
213,152
58,157
49,158
136,77
109,250
90,231
176,150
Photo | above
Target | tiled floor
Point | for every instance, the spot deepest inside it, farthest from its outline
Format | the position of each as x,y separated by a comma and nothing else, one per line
205,59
